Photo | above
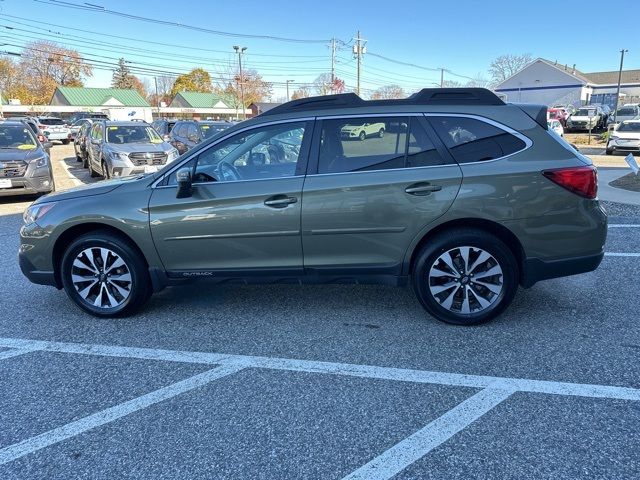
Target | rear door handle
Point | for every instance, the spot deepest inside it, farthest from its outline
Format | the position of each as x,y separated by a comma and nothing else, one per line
422,189
279,201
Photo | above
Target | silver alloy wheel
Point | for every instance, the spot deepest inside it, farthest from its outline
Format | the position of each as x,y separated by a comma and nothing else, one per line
466,280
101,277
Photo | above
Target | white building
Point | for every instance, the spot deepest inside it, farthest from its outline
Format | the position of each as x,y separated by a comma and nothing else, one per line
551,83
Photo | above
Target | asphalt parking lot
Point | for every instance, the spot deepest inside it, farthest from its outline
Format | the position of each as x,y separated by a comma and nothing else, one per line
321,382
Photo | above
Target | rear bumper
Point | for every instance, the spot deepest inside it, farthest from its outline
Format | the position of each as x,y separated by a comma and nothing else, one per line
536,270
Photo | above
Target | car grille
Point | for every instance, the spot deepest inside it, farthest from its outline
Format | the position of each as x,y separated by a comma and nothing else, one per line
12,169
148,158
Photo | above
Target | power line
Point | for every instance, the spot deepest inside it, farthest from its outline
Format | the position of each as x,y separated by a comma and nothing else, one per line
101,9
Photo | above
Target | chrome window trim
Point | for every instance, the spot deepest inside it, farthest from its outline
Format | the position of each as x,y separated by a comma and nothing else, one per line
222,139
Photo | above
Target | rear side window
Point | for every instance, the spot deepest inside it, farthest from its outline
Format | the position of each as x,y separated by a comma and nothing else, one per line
360,144
471,140
51,121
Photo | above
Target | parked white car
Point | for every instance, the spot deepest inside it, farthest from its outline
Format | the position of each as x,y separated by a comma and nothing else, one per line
364,130
54,129
625,138
629,111
555,126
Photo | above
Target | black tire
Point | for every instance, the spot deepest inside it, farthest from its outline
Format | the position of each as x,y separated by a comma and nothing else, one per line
65,142
461,237
362,136
85,161
608,151
381,133
105,170
92,172
140,289
78,157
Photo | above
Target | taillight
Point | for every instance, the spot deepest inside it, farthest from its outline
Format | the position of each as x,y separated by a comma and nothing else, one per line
582,181
42,138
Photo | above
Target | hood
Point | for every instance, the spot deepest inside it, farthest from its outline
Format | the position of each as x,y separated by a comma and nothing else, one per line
139,147
629,135
98,188
15,154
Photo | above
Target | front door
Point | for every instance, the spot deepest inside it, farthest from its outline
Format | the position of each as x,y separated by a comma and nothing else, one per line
244,213
367,196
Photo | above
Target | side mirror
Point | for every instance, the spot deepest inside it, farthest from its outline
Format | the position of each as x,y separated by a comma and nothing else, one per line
183,178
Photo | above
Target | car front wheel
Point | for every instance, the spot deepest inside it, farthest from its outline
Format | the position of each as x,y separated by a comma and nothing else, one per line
104,275
465,276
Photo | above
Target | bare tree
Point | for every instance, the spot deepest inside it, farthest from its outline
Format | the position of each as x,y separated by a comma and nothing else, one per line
302,92
322,84
388,92
507,65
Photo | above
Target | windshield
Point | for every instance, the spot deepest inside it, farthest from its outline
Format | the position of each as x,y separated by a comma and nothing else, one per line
209,129
51,121
627,111
132,134
16,137
629,127
585,112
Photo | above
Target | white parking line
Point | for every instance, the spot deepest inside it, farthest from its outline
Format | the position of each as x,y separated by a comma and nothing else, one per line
13,353
30,445
416,446
621,254
70,176
348,369
625,225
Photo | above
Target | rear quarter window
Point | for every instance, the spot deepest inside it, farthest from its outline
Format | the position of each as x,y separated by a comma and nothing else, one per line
471,140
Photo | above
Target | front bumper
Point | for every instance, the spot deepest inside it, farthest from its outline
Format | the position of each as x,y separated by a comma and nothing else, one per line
34,275
27,186
626,146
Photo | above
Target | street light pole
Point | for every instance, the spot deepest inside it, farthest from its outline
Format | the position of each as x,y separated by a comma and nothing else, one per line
240,50
615,112
288,82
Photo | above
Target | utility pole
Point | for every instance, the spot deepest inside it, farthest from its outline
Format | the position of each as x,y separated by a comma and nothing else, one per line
240,50
333,60
358,50
155,79
288,82
441,77
615,112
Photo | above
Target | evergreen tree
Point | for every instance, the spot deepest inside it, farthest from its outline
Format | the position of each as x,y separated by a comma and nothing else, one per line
122,77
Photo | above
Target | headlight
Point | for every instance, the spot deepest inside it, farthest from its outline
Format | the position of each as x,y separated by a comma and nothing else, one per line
34,212
41,162
117,156
172,155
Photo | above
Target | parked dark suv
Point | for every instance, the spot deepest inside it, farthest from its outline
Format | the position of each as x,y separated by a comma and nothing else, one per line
188,133
164,127
463,196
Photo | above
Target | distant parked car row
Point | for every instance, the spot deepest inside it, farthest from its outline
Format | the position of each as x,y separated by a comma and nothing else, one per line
186,134
591,117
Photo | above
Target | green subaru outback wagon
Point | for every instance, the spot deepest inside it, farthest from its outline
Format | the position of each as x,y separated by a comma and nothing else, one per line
458,194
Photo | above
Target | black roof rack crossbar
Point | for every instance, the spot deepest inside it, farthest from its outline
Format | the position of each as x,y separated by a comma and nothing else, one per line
426,96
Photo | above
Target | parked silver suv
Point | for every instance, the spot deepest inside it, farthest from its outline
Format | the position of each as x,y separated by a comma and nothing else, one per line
118,149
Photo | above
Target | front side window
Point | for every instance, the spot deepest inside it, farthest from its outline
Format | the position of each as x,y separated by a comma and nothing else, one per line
472,140
97,132
272,151
132,134
629,127
360,144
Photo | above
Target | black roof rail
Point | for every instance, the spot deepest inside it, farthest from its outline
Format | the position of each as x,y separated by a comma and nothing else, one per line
426,96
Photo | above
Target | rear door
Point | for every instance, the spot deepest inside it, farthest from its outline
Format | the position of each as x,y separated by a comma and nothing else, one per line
364,201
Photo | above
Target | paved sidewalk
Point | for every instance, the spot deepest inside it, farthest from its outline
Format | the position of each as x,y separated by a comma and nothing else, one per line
612,194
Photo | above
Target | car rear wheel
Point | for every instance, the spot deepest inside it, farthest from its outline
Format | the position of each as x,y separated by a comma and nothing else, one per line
362,136
465,276
381,133
104,275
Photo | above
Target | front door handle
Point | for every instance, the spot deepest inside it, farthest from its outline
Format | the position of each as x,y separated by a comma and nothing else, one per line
422,189
279,201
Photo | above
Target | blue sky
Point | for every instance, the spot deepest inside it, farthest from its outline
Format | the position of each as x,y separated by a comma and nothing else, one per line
462,36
